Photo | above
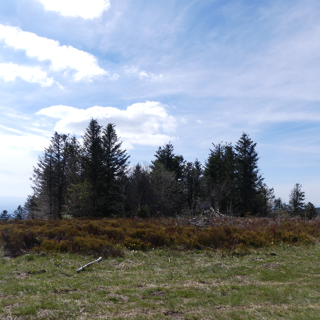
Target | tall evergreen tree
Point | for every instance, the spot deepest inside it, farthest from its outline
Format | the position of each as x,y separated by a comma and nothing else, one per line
42,179
139,192
296,199
248,180
220,176
170,161
310,211
30,207
92,164
49,177
19,213
192,184
4,215
115,163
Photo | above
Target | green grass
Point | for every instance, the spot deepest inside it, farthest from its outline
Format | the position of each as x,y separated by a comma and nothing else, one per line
164,284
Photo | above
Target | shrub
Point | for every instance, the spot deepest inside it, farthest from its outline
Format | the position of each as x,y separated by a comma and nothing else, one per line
108,237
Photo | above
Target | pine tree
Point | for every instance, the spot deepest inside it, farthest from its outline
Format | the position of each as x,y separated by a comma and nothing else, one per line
139,192
310,211
30,207
4,215
19,213
296,199
115,163
92,165
220,176
248,180
192,184
170,161
49,177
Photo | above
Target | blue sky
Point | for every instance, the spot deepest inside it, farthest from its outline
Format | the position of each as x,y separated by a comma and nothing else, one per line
189,72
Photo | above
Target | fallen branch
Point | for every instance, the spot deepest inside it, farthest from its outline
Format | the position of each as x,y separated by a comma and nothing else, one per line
89,264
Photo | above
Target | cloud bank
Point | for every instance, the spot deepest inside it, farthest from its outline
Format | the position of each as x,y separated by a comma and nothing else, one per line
62,58
86,9
147,124
10,71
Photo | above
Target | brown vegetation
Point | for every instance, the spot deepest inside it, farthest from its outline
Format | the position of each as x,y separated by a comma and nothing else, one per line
110,237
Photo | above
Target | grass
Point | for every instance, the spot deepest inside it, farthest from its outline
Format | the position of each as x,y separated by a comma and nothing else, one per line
164,284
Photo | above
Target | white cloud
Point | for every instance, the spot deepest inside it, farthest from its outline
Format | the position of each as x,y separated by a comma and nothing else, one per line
87,9
115,76
62,58
10,71
141,74
141,123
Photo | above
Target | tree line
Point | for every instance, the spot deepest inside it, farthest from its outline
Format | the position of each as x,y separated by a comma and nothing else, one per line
94,179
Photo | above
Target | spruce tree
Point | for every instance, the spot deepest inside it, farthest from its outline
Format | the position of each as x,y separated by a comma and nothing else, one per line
49,177
19,213
248,181
310,211
296,199
115,163
4,215
92,165
170,161
220,176
30,207
193,184
139,192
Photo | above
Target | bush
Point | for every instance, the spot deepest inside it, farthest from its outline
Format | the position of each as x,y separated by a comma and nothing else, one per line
108,237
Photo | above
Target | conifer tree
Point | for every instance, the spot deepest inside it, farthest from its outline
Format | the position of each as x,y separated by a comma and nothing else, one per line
30,207
248,180
115,163
4,215
139,192
170,161
310,211
220,176
296,199
49,177
92,165
192,184
19,213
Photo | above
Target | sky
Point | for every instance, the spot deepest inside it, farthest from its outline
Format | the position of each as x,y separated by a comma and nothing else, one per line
190,72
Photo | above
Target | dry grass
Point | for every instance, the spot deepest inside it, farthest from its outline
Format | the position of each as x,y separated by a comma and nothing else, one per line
164,284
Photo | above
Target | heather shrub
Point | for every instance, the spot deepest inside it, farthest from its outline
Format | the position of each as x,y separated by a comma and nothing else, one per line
108,237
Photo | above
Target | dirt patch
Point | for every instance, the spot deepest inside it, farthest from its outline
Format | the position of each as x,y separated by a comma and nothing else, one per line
117,298
174,314
44,313
64,291
21,274
271,265
160,294
242,278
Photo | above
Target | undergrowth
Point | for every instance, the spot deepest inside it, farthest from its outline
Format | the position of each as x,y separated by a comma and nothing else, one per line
110,237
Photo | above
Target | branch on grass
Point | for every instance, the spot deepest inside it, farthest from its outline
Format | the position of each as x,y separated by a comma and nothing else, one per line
89,264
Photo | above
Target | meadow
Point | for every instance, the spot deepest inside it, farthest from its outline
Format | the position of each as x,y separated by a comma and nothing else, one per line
250,268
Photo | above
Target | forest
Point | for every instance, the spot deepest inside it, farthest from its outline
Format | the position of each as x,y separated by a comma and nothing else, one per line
95,179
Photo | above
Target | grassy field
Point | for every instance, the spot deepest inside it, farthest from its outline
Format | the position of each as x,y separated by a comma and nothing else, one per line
278,282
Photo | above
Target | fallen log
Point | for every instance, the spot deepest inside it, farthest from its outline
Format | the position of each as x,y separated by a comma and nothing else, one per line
89,264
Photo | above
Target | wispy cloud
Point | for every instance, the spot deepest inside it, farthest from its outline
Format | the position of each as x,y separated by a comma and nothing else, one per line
86,9
141,74
11,71
140,124
61,58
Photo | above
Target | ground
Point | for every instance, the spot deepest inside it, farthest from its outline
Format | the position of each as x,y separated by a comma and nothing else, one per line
278,282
